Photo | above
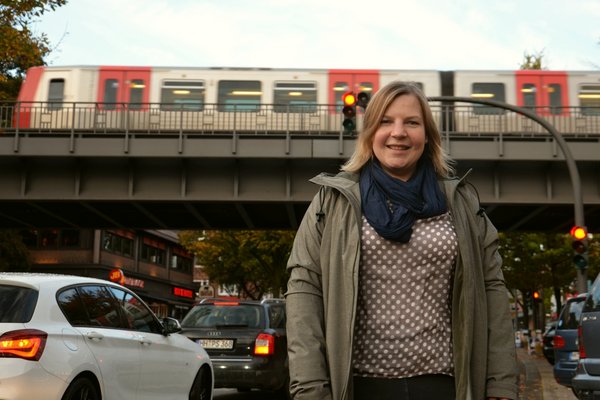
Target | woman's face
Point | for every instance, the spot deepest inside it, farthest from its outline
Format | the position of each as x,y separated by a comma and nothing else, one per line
400,139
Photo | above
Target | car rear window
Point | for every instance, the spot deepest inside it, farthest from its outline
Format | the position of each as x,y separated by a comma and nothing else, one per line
569,317
219,316
17,303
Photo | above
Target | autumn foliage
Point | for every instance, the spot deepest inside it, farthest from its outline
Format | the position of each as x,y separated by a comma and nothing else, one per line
20,46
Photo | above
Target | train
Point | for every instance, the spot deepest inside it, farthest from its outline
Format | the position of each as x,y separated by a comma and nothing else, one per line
105,99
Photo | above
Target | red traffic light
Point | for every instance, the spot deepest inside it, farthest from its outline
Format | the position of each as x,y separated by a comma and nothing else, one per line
536,295
579,232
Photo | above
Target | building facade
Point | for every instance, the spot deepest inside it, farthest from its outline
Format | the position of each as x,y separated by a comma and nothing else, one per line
152,263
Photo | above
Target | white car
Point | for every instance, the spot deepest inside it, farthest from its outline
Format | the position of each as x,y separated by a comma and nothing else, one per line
69,337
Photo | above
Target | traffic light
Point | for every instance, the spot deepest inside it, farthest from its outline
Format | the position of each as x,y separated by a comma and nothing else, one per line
536,297
362,100
349,111
580,246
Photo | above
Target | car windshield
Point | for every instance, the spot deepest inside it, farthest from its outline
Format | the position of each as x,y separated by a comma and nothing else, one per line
569,317
221,316
17,303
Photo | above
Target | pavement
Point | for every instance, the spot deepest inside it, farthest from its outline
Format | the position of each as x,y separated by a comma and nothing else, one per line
536,381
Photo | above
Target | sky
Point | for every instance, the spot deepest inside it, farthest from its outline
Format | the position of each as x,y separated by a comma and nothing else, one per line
351,34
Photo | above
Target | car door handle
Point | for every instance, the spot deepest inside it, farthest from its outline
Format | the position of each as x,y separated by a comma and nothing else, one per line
95,335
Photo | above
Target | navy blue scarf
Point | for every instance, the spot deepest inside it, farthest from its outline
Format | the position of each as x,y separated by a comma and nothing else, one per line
392,206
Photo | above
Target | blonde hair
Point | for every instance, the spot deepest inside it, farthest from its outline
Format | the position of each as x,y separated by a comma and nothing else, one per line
377,107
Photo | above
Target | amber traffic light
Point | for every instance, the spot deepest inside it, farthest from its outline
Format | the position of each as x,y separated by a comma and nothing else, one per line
349,112
580,246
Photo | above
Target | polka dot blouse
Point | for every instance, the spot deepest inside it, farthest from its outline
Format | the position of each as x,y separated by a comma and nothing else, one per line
403,325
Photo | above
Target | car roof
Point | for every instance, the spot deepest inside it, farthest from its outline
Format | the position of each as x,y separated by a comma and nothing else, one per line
36,280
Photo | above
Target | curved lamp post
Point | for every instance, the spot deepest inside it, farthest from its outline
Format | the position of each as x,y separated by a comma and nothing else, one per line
573,171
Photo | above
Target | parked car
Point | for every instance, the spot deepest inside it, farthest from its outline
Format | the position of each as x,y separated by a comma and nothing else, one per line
70,337
548,342
586,382
246,341
566,351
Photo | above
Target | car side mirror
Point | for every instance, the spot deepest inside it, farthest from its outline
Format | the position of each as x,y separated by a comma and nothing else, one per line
170,325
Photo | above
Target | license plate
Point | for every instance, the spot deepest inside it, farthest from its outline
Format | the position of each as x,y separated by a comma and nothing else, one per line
216,343
574,356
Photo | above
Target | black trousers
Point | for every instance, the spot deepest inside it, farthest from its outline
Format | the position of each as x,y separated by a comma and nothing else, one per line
423,387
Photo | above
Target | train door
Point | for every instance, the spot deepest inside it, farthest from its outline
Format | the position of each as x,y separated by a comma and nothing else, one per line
543,92
118,86
124,92
343,81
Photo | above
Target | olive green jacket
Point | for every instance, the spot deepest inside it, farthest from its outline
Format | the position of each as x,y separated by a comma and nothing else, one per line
322,295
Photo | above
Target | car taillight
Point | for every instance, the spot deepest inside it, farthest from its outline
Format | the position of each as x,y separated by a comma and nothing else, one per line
580,343
559,342
24,343
264,345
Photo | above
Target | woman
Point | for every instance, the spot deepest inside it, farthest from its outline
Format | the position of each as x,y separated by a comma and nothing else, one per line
396,289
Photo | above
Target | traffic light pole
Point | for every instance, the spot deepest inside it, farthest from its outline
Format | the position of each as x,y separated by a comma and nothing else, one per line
571,165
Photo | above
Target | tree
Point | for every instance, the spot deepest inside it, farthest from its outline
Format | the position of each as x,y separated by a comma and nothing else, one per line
539,261
14,256
253,261
20,47
532,60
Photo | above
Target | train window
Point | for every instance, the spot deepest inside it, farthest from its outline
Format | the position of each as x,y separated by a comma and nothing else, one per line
239,95
111,86
555,98
56,94
339,89
528,92
296,97
488,91
419,85
182,95
589,99
366,87
136,94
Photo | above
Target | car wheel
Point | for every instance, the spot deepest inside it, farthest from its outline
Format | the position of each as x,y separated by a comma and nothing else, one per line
82,389
202,386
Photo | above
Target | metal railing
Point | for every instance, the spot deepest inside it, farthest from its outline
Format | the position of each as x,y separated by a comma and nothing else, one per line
271,119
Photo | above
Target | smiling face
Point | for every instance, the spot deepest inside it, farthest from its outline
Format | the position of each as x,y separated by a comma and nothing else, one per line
400,139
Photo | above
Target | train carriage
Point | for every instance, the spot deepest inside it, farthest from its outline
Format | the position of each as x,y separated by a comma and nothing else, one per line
162,100
476,119
584,90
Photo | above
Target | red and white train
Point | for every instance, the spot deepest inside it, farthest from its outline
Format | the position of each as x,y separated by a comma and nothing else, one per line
162,99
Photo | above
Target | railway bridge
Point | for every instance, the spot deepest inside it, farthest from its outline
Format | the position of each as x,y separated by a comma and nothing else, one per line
55,175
